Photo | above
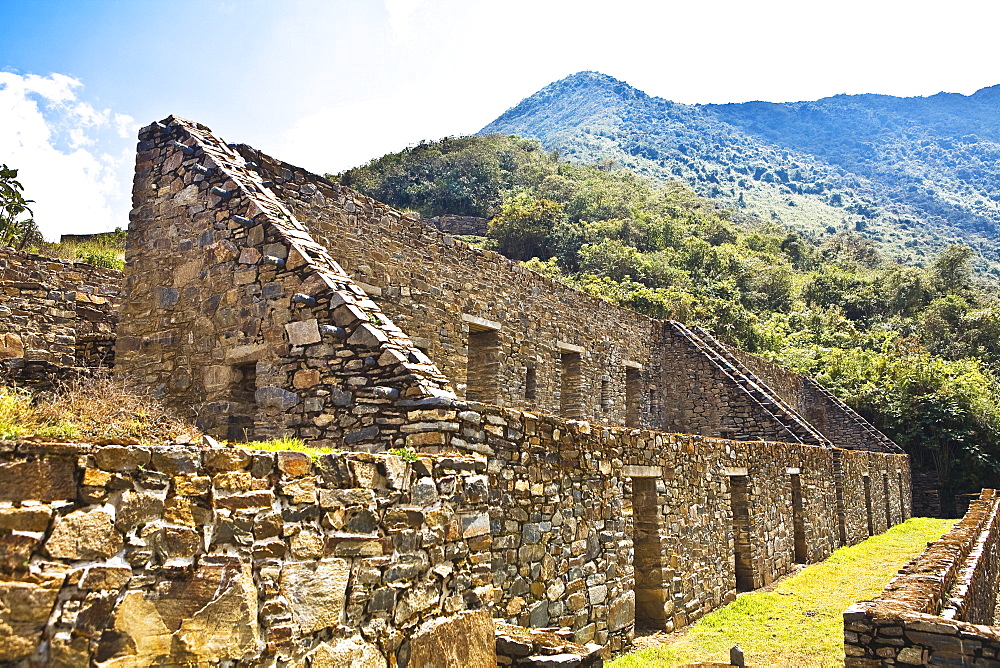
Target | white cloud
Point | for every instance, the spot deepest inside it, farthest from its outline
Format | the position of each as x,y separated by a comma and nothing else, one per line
401,16
74,160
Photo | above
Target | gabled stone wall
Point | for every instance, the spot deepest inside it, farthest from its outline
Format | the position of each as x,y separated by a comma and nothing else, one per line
828,414
439,289
182,555
233,311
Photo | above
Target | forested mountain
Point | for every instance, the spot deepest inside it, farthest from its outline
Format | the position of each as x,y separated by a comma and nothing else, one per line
917,351
911,174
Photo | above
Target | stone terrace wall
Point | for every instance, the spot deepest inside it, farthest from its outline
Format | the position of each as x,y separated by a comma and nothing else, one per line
56,311
180,555
233,310
937,611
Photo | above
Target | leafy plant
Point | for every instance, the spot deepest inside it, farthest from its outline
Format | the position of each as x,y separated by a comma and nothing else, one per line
407,454
16,229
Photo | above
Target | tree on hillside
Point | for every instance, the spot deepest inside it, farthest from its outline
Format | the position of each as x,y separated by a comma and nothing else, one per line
16,229
952,270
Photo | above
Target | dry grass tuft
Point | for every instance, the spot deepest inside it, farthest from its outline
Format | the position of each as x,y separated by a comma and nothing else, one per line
97,409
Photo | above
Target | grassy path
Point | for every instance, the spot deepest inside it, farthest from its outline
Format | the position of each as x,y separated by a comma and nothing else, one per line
799,623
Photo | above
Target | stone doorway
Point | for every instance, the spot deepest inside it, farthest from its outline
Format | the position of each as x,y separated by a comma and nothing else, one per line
798,519
571,385
483,365
739,493
868,505
651,583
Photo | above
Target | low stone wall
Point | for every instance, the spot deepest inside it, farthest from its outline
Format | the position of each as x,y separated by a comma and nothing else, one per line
938,610
50,305
131,556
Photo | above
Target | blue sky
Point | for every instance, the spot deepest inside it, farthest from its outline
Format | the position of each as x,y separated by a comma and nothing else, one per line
330,84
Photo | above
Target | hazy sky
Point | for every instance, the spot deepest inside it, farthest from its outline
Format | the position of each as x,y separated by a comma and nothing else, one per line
329,84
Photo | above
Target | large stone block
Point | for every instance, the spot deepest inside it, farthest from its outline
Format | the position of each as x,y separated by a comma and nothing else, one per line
316,592
49,479
25,606
466,639
352,652
84,534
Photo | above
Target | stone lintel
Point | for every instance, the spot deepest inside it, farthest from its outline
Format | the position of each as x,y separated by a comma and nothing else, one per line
736,470
629,364
480,324
569,347
642,471
793,470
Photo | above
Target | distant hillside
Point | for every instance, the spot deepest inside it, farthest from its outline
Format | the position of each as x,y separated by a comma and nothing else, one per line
912,174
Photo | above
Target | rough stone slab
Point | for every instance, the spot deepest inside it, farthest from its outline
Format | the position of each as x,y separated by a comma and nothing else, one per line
466,639
316,592
49,479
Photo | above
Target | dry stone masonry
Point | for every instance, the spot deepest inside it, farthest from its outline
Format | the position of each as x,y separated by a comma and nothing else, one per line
577,467
182,555
941,609
55,314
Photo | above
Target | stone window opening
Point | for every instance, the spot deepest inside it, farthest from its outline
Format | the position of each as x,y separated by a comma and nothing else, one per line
245,383
798,519
633,396
739,493
605,393
868,504
571,403
530,383
483,360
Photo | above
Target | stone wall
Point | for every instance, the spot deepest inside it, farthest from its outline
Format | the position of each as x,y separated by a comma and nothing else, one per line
460,225
940,609
56,311
828,414
238,309
563,499
234,311
868,508
445,293
171,555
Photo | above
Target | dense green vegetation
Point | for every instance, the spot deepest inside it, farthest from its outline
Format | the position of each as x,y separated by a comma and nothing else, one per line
915,350
799,623
912,174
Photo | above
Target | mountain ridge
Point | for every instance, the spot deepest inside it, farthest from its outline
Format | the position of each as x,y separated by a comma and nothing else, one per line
913,174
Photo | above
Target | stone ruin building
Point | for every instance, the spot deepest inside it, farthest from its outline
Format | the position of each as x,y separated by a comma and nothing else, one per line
567,464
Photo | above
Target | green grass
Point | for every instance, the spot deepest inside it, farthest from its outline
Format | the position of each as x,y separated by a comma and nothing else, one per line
286,443
108,250
799,623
